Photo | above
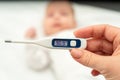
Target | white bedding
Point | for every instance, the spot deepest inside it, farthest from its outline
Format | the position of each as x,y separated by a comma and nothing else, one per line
16,17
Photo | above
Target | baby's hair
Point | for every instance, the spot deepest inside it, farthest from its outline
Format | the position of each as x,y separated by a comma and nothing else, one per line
69,2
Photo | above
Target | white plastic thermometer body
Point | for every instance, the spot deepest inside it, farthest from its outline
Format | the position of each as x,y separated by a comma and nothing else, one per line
56,43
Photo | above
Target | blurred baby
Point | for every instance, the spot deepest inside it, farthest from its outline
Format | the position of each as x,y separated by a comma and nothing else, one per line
59,16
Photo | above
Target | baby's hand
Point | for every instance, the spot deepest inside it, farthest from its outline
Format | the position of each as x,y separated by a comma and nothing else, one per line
30,33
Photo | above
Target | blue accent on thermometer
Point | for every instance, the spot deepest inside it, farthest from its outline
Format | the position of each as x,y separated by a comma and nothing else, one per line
66,43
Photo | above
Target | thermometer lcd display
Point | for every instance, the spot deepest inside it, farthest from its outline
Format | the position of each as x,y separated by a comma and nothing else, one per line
60,43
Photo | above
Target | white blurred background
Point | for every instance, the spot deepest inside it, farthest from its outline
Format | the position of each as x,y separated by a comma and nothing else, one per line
16,17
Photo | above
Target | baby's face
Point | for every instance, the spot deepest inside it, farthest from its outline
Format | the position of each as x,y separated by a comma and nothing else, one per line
59,16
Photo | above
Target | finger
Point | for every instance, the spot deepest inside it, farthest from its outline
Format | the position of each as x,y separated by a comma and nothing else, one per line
116,42
95,72
95,45
98,31
117,51
89,59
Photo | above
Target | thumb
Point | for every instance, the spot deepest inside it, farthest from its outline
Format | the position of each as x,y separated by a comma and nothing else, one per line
88,58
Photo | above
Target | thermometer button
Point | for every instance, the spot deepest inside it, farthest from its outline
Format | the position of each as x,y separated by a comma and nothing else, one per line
73,43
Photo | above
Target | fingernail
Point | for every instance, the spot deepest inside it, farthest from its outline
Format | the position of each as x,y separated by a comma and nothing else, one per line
76,53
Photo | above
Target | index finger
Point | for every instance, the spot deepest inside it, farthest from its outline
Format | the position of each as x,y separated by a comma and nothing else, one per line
98,31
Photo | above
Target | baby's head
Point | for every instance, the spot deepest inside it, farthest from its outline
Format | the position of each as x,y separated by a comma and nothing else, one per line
59,16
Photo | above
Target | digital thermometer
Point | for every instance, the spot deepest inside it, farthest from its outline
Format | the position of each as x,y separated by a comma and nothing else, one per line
56,43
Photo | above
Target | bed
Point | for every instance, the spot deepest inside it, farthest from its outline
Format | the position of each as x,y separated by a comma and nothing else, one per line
16,17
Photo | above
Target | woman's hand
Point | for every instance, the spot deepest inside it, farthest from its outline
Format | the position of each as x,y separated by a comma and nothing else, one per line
102,52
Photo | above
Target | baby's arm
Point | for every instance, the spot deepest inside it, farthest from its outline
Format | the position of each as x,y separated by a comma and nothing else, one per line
36,56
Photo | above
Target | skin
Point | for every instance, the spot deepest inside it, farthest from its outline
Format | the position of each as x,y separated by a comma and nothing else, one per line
59,17
30,33
102,52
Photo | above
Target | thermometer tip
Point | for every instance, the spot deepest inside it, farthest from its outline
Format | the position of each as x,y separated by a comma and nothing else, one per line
8,41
